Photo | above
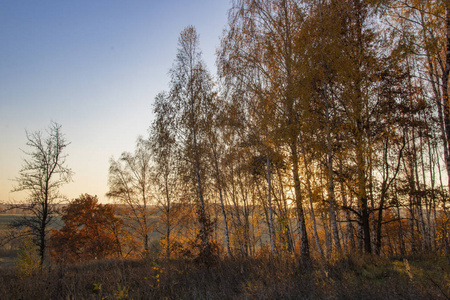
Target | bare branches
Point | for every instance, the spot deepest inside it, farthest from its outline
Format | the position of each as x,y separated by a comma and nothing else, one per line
43,172
130,183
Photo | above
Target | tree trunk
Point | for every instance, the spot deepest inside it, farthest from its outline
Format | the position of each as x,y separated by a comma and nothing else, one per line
445,75
203,218
400,231
350,241
269,198
42,233
299,203
331,196
168,226
328,238
385,178
284,211
43,225
310,196
365,216
222,204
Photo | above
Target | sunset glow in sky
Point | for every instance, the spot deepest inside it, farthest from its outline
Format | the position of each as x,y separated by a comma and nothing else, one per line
95,68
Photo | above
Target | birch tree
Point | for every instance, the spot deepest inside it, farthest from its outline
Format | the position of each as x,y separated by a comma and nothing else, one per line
163,148
258,55
192,96
130,183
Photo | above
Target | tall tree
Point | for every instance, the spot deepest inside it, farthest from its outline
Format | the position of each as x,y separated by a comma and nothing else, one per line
163,147
424,27
217,149
258,59
192,96
130,183
420,29
355,64
42,174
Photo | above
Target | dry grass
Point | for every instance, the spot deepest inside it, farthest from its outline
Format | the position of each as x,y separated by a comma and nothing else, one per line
255,278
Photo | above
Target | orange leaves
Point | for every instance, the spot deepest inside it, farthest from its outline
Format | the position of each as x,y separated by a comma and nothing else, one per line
89,231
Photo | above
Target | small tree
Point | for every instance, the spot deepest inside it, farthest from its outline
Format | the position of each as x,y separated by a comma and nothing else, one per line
42,174
27,261
88,233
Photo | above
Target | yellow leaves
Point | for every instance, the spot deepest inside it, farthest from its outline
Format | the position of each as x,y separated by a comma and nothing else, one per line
121,292
250,288
97,286
27,261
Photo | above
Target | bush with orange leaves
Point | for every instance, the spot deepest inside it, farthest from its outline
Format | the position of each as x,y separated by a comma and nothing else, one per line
89,232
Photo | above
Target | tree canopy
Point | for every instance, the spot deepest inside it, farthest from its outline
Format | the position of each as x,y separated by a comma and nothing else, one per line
90,231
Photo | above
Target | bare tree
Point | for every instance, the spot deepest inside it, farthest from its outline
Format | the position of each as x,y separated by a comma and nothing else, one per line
43,172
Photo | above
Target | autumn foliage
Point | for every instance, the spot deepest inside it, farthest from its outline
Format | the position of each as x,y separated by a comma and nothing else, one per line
89,232
325,135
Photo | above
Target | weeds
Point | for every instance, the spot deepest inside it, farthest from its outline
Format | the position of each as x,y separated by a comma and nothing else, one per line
242,278
27,261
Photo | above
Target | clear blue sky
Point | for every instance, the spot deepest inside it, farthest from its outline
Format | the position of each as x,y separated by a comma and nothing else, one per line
94,66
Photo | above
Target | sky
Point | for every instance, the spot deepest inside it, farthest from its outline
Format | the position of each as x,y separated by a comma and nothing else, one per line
94,67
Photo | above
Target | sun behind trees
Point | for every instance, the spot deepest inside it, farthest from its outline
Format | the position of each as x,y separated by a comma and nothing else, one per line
314,166
325,135
320,129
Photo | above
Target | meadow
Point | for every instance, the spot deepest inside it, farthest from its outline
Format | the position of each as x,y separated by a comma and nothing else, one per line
7,252
262,276
424,277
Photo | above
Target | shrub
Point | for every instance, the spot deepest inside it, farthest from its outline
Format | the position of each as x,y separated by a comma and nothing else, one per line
27,261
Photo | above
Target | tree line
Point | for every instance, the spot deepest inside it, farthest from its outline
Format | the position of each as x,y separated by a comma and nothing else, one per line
325,133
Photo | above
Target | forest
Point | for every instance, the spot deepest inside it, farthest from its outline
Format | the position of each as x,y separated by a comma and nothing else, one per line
314,165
